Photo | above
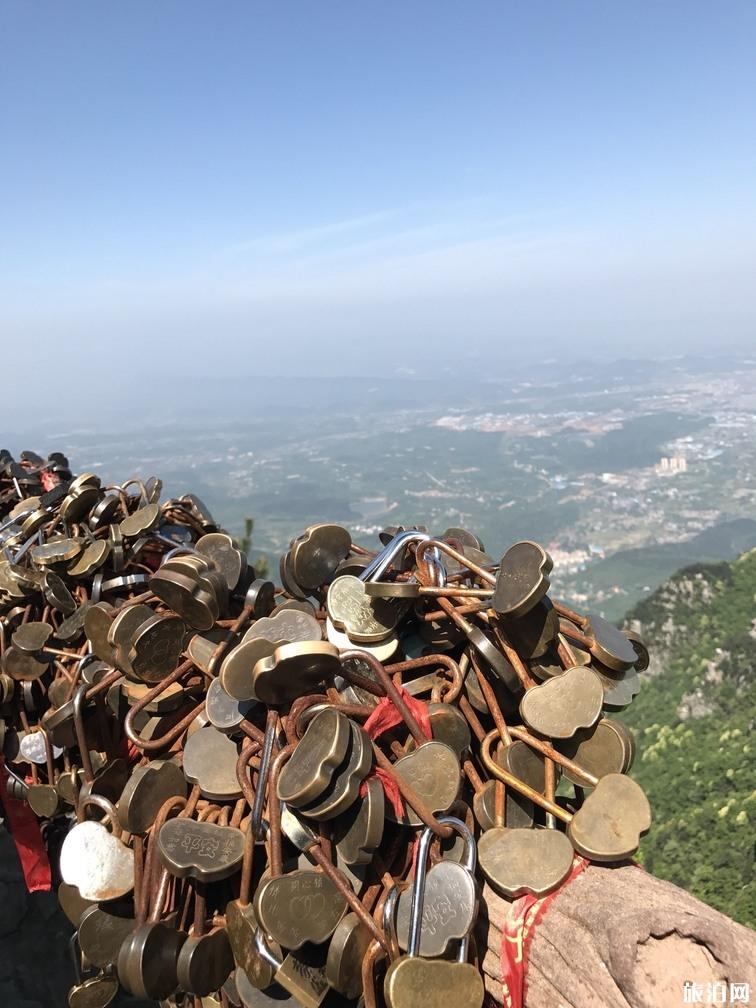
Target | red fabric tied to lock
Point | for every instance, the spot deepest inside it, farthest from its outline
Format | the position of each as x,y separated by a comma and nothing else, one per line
48,479
525,914
384,717
390,789
24,828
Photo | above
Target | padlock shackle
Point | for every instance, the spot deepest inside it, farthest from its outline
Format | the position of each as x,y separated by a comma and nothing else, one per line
270,745
247,757
489,697
81,736
515,783
154,744
264,952
75,951
134,481
304,709
382,561
418,884
388,919
184,807
418,894
440,546
107,807
450,667
274,810
553,755
49,755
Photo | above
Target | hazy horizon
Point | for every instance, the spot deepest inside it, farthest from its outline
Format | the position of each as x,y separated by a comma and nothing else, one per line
340,190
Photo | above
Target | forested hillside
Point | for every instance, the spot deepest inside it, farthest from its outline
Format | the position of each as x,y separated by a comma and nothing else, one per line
694,721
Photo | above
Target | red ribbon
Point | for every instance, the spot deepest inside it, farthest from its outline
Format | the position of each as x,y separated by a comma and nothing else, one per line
128,752
24,828
386,715
525,914
48,479
390,789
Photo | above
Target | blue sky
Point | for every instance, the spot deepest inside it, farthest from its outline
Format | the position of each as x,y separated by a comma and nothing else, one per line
339,186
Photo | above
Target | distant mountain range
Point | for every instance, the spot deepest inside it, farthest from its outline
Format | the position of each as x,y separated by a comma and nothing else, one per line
637,570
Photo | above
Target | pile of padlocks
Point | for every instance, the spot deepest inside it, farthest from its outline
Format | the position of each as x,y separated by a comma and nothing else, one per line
296,791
